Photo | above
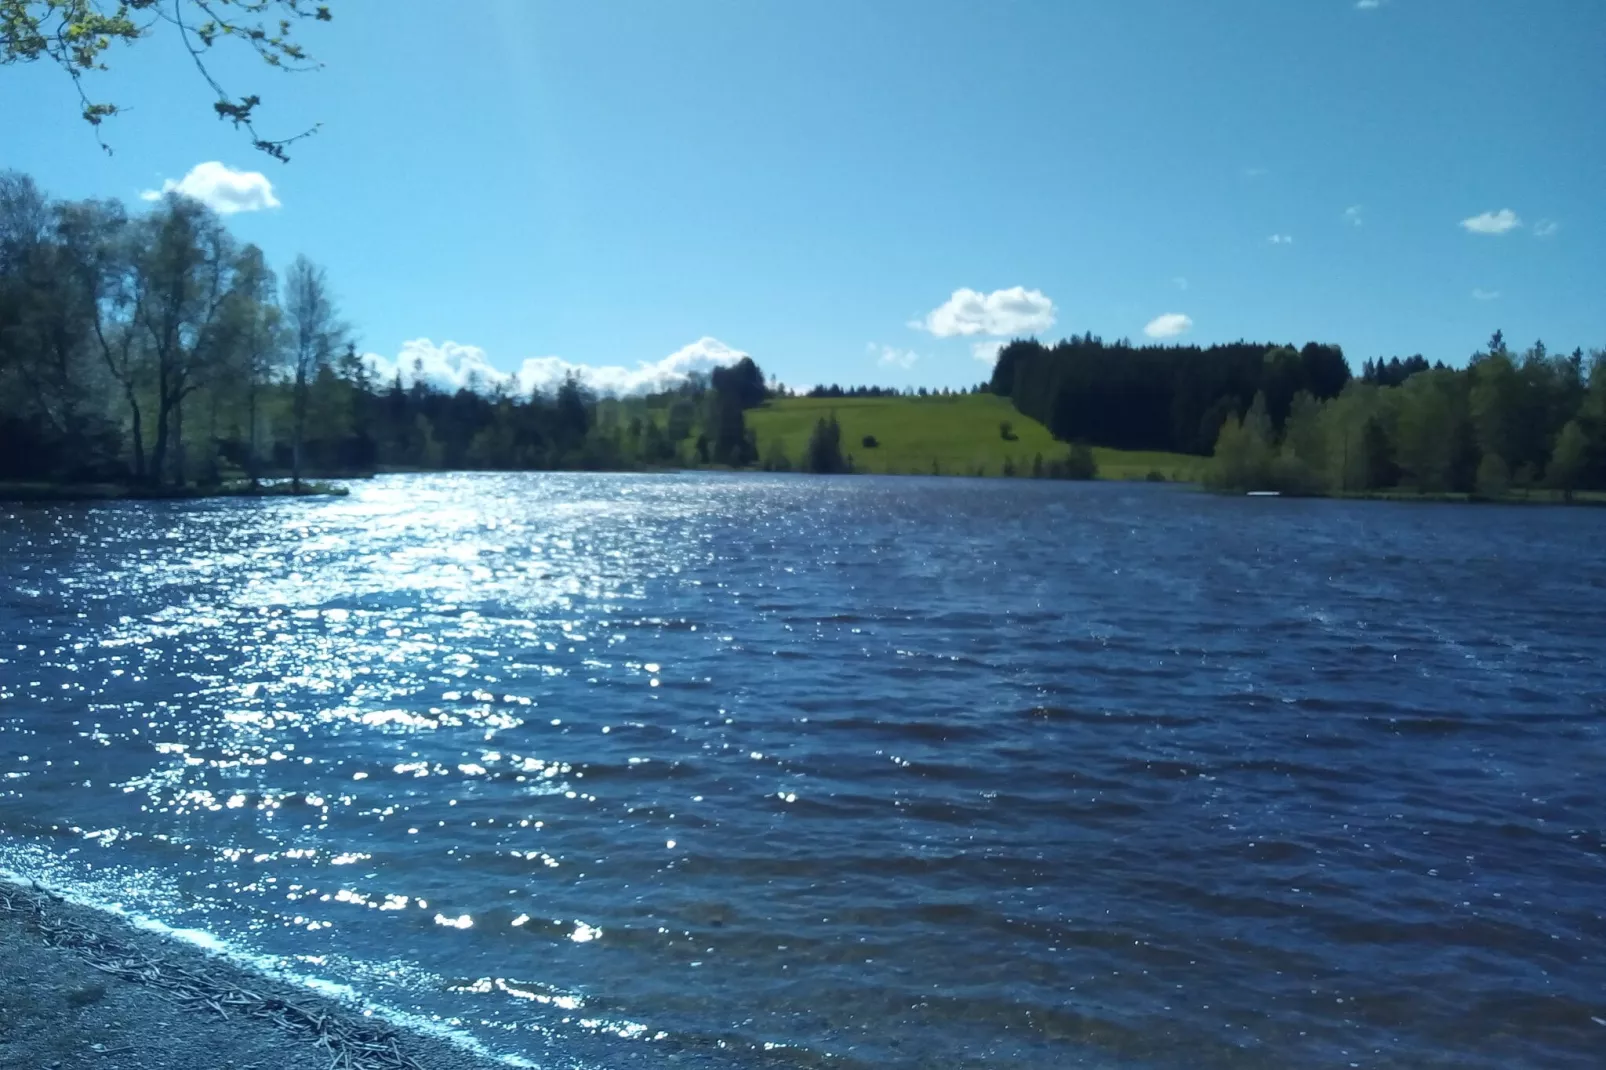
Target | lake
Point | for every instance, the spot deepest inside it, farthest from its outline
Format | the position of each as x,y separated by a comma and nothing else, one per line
758,771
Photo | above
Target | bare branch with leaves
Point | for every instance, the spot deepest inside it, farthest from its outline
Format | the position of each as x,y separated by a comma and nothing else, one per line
78,35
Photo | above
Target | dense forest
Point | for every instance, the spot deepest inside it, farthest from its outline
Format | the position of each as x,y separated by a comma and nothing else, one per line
1277,418
157,350
1505,423
1172,398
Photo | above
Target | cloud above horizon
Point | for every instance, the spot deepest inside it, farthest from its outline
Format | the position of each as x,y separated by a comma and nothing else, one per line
221,188
987,352
1495,223
1485,295
1353,215
1545,228
1281,239
452,366
892,357
1170,325
966,313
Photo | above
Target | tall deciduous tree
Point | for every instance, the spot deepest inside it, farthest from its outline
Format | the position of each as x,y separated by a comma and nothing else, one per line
257,332
1570,459
183,273
1430,422
315,333
105,268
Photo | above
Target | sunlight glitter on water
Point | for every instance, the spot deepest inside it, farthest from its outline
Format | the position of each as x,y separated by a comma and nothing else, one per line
873,768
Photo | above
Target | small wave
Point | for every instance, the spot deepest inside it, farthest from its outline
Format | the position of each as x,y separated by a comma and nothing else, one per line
281,969
1124,717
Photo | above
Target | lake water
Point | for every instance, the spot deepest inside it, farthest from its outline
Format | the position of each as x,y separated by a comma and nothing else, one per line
798,772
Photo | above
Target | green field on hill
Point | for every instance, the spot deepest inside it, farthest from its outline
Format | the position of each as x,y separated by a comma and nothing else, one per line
954,435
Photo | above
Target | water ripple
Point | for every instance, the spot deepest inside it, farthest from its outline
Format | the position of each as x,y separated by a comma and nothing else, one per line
840,773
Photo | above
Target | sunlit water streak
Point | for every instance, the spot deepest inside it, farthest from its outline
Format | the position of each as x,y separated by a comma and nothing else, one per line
863,772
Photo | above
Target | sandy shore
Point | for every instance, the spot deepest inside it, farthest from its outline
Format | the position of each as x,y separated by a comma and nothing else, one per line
80,988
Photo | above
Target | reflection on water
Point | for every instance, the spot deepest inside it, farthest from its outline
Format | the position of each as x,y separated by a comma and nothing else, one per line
841,772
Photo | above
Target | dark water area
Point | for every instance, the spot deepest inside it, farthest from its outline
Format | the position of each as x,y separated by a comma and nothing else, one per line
791,772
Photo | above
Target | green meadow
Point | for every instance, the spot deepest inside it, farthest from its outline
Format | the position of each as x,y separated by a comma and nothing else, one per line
954,435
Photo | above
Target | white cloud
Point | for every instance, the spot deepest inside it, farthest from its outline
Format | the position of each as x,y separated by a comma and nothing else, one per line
1016,310
1368,5
1281,239
1170,325
451,366
892,357
1545,228
1182,283
221,188
448,365
987,352
1353,214
1485,295
1492,222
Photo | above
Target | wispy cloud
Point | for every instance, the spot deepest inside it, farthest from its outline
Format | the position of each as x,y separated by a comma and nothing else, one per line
1352,215
1495,223
1181,282
1545,228
1485,295
1368,5
1255,172
1281,239
452,366
892,357
1170,325
220,188
987,352
1016,310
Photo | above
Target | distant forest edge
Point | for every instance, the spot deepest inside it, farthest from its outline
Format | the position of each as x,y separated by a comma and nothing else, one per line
1172,398
1298,421
155,352
1506,427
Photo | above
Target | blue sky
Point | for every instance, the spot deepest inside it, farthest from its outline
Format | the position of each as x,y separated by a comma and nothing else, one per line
606,184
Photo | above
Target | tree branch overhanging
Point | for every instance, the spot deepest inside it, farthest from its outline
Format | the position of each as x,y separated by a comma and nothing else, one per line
77,35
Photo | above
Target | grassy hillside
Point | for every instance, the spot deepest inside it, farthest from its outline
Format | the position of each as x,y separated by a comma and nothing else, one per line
959,435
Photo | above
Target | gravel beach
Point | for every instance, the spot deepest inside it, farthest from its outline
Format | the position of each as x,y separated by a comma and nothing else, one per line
82,988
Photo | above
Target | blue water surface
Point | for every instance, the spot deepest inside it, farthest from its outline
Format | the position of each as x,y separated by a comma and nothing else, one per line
802,772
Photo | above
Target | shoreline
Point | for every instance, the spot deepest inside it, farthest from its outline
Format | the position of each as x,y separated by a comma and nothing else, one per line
12,492
88,988
115,492
1587,499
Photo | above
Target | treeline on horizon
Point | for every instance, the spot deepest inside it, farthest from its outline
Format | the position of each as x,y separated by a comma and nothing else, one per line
1170,398
1299,422
835,391
1506,423
155,349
